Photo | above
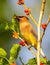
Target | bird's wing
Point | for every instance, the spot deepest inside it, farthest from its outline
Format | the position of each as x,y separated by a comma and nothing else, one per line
34,32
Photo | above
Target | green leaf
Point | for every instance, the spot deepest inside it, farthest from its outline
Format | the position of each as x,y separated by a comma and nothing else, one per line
14,52
48,62
32,61
15,22
43,60
13,19
7,26
4,26
12,59
3,53
1,61
5,62
16,26
12,27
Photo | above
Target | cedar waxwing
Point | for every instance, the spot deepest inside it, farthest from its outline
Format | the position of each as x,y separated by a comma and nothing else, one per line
28,31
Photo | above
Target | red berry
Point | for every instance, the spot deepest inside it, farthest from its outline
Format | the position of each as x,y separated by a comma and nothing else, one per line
27,11
44,26
20,2
22,43
41,63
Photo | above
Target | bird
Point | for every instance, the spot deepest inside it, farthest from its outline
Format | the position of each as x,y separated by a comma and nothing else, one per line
28,31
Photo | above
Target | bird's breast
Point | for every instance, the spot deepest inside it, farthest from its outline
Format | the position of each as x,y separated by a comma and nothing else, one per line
25,27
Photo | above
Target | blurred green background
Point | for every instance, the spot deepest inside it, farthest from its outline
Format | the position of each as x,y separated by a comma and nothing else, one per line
7,9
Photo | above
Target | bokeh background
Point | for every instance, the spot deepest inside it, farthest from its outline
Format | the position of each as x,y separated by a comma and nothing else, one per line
7,9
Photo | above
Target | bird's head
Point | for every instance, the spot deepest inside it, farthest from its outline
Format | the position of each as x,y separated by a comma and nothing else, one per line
21,18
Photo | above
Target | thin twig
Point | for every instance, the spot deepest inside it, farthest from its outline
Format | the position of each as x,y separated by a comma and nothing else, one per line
33,19
48,20
42,11
33,52
30,50
45,29
21,61
39,24
35,22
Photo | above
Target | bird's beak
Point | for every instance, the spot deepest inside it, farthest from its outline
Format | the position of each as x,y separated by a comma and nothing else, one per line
18,17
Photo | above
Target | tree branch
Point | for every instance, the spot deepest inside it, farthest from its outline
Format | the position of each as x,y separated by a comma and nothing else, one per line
42,11
33,19
39,24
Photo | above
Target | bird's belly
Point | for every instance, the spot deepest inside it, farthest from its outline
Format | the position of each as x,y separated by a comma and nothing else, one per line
29,37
